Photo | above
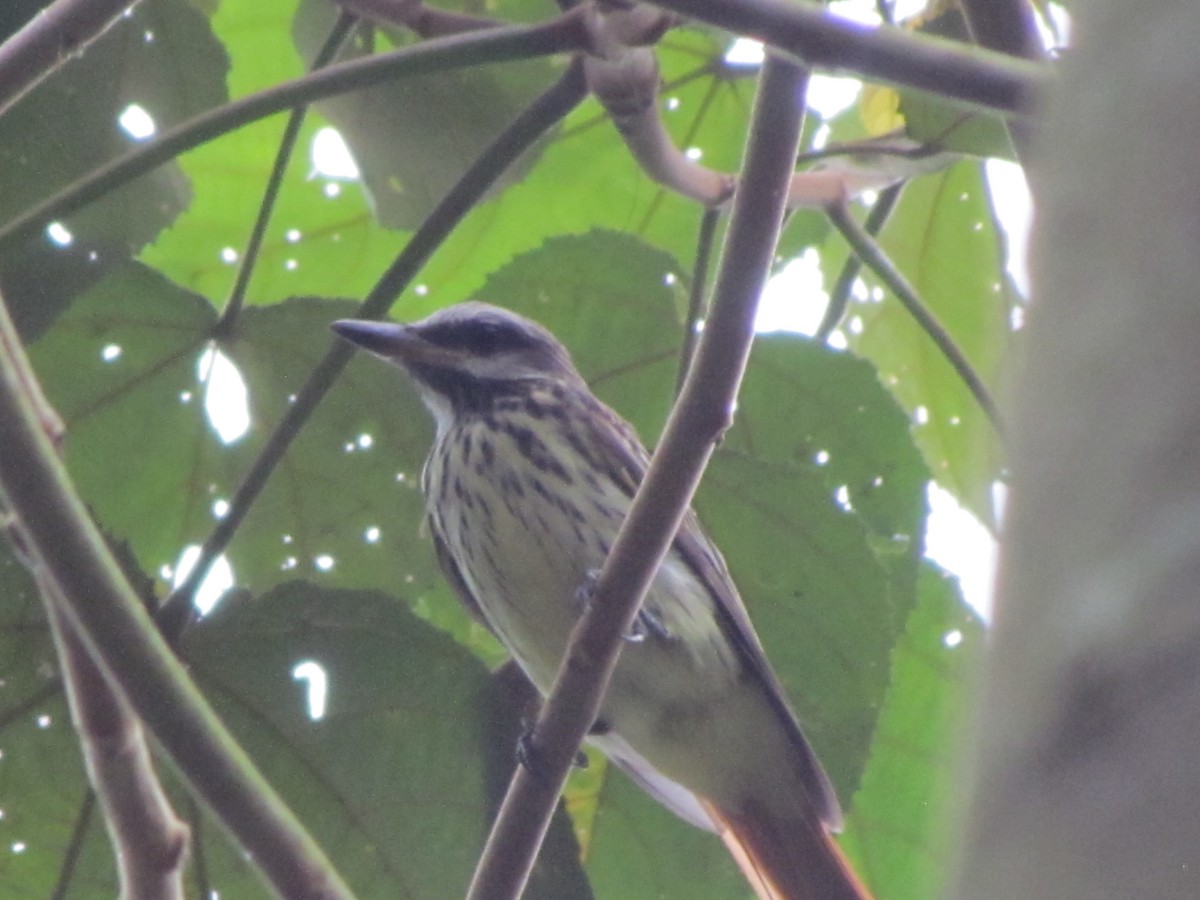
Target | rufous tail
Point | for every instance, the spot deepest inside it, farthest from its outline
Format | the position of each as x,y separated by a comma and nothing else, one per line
789,859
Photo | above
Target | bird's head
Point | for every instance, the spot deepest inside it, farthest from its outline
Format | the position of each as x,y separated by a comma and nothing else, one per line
465,356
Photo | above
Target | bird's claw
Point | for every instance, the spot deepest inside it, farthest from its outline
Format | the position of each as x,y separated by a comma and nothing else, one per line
586,592
645,624
529,757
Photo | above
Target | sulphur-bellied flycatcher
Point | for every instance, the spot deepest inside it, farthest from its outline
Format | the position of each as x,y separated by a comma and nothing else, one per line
528,480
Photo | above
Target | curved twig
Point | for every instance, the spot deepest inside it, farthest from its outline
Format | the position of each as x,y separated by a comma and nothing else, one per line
839,297
865,247
287,143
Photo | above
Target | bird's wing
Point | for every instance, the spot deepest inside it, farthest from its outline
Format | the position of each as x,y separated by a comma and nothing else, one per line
628,461
450,570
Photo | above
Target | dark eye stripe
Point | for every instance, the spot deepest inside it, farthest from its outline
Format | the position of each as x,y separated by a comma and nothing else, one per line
481,336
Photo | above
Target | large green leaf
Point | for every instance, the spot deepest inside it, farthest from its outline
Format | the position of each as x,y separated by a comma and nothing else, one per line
943,237
399,777
817,497
143,453
41,773
897,833
324,238
163,57
412,139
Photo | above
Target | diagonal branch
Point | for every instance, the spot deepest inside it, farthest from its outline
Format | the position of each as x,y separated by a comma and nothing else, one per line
149,841
867,250
48,40
697,293
839,296
70,857
979,79
697,421
1007,26
287,143
56,531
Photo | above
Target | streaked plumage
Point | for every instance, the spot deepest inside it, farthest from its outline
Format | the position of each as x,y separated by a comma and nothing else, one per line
528,480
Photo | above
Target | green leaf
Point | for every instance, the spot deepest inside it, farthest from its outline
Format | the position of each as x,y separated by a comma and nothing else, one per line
163,57
943,238
897,834
817,498
145,456
929,119
120,367
324,239
639,850
413,138
398,779
41,774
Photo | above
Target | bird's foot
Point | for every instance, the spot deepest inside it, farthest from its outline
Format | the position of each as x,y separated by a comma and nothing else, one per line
645,624
530,757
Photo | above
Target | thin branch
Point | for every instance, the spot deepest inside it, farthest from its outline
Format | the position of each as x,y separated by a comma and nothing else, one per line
622,72
1007,26
697,293
149,841
70,857
542,115
697,421
287,144
865,247
199,860
628,89
558,35
48,40
979,79
50,689
110,618
839,297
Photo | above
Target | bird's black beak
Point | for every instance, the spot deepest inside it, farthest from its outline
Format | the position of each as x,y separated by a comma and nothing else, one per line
378,337
395,343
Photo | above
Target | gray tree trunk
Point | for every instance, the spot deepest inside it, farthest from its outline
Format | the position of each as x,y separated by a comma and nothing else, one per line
1086,771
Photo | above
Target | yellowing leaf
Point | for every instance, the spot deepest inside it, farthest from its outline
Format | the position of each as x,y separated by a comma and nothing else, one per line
879,109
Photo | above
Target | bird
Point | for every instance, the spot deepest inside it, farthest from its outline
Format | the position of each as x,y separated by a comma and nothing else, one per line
528,479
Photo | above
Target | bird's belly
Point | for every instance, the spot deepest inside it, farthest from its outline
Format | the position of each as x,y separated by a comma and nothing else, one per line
526,544
528,556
